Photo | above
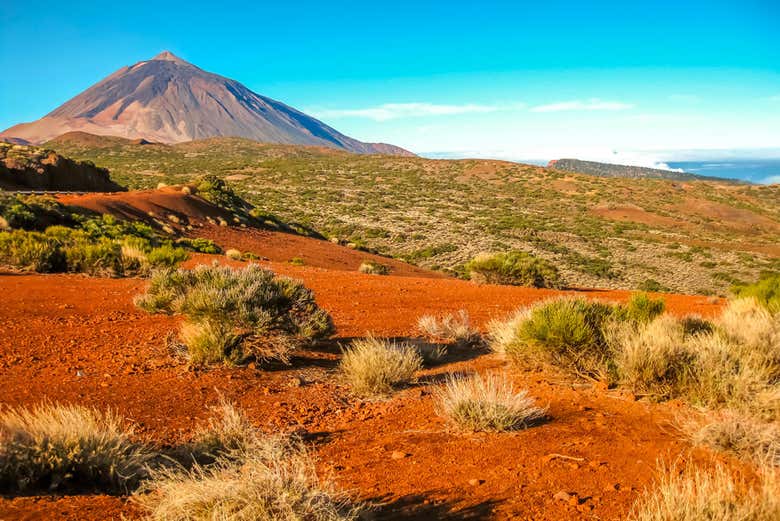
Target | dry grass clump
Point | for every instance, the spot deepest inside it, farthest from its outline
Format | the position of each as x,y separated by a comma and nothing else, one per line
488,403
236,314
228,431
233,254
652,359
738,434
373,268
374,367
252,478
696,495
55,447
450,328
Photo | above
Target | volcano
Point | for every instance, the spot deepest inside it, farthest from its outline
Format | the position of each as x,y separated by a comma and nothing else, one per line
169,100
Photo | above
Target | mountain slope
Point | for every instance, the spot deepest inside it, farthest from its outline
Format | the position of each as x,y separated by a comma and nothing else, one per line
613,170
169,100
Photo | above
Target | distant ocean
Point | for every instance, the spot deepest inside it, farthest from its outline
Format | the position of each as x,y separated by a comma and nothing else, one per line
753,170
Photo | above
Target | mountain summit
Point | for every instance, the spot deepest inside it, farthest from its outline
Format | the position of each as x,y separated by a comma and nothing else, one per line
169,100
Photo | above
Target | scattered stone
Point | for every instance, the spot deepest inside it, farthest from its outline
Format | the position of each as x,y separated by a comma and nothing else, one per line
397,454
476,482
562,496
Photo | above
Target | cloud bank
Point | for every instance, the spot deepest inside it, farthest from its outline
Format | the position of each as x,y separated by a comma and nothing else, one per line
579,105
390,111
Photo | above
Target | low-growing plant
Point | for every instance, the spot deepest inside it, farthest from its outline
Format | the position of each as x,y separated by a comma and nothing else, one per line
373,268
248,476
451,328
59,447
236,314
233,254
375,367
487,403
695,495
32,250
514,268
766,291
199,245
567,333
736,433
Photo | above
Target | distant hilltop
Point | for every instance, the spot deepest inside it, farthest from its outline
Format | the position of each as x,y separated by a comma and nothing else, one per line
635,172
168,100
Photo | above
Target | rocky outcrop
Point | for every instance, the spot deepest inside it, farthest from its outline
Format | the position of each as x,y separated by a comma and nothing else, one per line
31,168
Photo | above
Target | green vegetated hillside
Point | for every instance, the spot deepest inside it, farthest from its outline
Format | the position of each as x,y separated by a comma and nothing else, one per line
613,170
600,232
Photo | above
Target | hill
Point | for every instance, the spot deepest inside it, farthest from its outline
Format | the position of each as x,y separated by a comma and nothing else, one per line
634,172
601,232
32,168
169,100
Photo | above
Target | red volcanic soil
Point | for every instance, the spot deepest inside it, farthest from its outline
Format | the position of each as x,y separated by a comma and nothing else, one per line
269,244
69,338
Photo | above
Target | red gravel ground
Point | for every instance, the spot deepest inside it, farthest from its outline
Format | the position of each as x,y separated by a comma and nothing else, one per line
52,326
75,339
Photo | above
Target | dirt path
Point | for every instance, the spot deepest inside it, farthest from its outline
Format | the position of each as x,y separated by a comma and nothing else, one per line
77,339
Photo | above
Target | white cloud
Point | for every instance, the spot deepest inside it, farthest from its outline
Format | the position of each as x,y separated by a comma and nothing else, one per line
591,104
390,111
774,98
775,179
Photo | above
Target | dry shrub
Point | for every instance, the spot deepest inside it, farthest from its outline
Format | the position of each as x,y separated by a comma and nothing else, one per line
236,314
233,254
515,267
652,358
373,268
54,447
248,476
486,404
502,334
374,366
696,495
738,434
450,328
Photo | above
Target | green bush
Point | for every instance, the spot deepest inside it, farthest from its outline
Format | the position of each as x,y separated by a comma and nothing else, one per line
515,268
200,245
236,314
766,291
32,250
573,333
565,332
166,256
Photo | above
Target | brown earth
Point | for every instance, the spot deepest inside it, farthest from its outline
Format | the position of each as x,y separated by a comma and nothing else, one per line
69,338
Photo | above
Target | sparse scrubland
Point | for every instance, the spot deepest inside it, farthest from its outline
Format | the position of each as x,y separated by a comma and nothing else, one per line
44,236
232,315
691,237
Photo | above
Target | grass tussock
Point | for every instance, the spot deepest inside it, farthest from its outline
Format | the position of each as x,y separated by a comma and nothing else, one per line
68,447
744,436
373,268
375,367
695,495
236,314
514,268
451,328
487,403
246,476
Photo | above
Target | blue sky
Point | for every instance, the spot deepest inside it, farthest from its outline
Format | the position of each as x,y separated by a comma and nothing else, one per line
523,80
